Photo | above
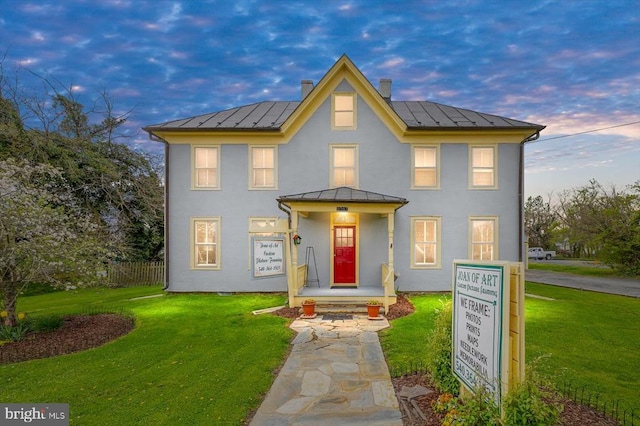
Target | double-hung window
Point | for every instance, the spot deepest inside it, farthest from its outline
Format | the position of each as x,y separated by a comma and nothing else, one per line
343,108
263,167
425,242
344,165
483,238
425,167
483,170
205,243
205,167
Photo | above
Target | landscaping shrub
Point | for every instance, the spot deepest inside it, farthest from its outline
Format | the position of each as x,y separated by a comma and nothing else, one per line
46,323
439,351
529,404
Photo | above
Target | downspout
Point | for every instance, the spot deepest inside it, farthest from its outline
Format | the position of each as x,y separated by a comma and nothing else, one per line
531,138
287,211
166,207
288,249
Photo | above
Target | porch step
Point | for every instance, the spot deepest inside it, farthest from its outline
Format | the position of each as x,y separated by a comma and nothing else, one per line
331,308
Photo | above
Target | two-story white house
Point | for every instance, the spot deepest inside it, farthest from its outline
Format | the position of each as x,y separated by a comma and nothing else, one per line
343,196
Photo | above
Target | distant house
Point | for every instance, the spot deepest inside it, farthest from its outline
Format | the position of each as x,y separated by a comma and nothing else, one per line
380,194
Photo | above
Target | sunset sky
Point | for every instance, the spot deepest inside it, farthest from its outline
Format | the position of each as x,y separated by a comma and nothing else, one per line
573,66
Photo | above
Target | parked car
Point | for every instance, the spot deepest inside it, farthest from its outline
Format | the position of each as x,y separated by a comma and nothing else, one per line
539,253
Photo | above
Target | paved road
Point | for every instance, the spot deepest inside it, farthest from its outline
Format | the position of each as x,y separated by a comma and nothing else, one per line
621,286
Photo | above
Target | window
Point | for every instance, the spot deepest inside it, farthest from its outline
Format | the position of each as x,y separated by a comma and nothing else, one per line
344,110
262,167
425,167
344,166
205,235
266,223
483,167
425,241
205,167
483,241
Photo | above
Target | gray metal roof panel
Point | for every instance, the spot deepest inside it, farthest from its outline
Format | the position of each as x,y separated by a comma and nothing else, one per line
425,114
271,115
343,194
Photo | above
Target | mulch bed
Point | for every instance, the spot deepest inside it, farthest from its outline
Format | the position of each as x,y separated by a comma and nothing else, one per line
77,333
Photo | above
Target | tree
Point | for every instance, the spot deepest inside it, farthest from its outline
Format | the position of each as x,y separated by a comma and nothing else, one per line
540,222
616,228
119,188
44,235
605,223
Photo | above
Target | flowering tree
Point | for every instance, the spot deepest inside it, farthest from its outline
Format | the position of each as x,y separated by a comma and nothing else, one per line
44,237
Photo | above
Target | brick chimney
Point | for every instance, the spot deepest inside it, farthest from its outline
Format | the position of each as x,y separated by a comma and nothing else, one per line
307,87
385,88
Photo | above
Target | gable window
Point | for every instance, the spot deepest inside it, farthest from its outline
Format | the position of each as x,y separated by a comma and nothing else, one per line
483,166
483,238
206,173
262,168
425,242
344,110
205,237
425,167
344,166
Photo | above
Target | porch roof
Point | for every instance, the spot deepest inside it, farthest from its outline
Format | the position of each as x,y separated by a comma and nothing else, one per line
343,194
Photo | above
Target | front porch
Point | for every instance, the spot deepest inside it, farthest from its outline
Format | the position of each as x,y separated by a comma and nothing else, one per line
342,206
341,299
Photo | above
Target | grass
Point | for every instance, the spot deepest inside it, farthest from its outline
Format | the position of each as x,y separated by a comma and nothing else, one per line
592,339
593,271
205,359
192,359
588,339
405,343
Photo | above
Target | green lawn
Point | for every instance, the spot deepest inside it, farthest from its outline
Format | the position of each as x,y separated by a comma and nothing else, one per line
588,339
205,359
192,359
593,271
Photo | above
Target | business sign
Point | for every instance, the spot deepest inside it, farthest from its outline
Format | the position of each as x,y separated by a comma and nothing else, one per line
268,257
479,303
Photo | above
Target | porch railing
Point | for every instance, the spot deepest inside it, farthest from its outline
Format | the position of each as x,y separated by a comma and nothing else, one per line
387,284
301,277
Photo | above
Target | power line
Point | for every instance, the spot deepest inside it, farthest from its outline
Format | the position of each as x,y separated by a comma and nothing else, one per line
589,131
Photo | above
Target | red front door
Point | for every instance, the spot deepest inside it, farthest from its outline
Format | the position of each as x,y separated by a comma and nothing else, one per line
344,255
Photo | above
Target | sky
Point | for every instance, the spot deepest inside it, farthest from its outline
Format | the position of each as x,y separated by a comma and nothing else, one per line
571,65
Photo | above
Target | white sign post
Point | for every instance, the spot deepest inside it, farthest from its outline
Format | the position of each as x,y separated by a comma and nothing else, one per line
480,304
268,257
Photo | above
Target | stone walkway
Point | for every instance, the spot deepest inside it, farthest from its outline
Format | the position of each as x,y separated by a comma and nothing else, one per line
336,374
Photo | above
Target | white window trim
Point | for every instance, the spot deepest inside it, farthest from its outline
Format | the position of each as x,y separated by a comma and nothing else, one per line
355,111
192,243
495,167
438,262
275,169
413,167
356,177
193,169
496,240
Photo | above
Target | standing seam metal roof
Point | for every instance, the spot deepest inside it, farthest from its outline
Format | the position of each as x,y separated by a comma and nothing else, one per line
343,194
271,115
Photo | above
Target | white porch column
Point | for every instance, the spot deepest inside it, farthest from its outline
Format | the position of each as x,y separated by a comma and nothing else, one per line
390,228
388,285
294,250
